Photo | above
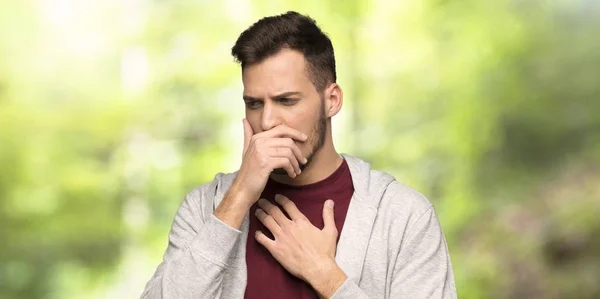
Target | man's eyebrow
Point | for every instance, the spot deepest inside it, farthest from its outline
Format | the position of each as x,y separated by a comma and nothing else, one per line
249,98
287,94
279,96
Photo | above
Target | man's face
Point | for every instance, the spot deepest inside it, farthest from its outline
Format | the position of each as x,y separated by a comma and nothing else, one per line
279,91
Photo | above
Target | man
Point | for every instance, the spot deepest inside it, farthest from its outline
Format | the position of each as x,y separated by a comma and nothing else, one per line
298,220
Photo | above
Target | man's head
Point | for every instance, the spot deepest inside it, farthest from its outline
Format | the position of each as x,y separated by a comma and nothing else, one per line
288,71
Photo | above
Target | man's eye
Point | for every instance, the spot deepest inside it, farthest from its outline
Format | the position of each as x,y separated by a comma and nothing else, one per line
253,104
287,101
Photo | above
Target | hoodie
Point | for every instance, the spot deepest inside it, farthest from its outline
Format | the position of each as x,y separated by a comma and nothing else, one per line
391,245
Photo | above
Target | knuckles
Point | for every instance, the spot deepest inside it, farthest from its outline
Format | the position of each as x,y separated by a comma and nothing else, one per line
262,162
334,232
256,141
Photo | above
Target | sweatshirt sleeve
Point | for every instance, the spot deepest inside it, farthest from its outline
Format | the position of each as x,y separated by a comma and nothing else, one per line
349,289
422,269
199,249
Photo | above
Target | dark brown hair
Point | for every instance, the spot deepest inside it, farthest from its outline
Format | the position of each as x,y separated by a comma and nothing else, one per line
290,30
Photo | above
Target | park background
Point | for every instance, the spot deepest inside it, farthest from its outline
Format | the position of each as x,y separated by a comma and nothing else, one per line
110,111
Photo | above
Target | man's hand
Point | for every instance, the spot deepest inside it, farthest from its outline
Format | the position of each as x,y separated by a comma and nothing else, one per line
267,151
301,248
263,153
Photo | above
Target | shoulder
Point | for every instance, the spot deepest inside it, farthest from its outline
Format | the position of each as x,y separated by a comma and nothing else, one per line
399,200
382,191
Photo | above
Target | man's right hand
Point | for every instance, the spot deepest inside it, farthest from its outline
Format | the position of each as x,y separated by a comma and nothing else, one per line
266,151
263,153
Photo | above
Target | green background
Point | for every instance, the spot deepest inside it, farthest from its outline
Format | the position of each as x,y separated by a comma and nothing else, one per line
110,111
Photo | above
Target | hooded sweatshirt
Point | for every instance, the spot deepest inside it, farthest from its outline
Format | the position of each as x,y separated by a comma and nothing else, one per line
391,245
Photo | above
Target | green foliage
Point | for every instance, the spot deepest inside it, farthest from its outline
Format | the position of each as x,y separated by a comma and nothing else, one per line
110,112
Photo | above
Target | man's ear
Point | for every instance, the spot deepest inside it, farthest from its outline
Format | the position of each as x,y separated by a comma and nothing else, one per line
334,99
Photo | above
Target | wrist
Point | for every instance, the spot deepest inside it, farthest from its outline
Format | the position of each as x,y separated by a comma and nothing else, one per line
326,278
234,207
241,195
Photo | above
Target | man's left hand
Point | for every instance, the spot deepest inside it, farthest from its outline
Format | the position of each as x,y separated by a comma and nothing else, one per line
304,250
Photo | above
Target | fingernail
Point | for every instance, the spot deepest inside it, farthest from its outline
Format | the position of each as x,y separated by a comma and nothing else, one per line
299,172
305,160
257,211
261,201
329,204
278,197
304,136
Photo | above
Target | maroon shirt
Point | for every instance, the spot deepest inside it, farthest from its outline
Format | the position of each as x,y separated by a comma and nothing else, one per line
266,277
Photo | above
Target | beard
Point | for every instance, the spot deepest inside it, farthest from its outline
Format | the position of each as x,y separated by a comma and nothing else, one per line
316,138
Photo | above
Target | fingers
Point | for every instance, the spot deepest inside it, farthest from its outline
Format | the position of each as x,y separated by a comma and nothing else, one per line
289,207
285,163
283,131
279,145
264,240
328,217
288,143
283,148
284,152
274,212
248,133
268,221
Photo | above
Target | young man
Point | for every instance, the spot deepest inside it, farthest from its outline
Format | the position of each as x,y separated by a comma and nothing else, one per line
298,220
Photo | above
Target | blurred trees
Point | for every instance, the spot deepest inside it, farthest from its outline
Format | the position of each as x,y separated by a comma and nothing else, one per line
491,108
110,112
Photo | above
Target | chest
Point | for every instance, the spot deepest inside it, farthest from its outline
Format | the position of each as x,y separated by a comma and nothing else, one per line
266,277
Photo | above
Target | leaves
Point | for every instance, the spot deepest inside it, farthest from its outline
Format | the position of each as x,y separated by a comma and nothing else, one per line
110,112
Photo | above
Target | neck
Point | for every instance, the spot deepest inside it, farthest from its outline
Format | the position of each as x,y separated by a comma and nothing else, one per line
323,163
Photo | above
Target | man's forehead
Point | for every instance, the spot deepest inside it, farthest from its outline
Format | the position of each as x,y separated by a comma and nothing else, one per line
282,72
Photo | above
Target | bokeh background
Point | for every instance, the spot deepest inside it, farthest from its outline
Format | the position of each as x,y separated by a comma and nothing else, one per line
110,111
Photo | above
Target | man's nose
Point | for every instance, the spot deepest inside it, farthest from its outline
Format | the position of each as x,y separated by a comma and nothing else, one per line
270,117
